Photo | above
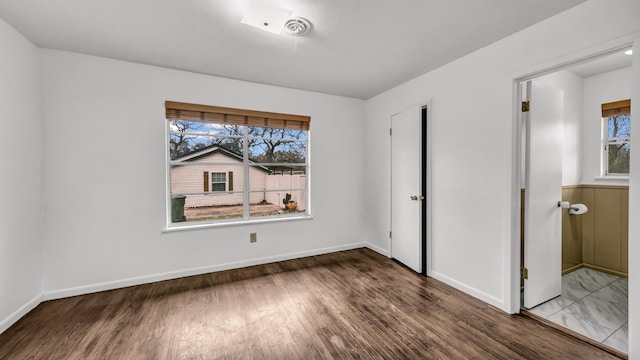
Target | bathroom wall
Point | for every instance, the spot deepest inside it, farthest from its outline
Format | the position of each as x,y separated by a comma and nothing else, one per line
582,126
598,239
600,89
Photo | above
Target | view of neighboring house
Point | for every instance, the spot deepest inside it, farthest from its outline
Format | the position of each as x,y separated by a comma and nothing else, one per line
214,176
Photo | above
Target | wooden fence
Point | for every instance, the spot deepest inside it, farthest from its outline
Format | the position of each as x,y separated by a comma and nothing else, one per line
286,183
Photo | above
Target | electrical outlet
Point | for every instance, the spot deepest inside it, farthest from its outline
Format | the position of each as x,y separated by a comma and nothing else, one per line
253,237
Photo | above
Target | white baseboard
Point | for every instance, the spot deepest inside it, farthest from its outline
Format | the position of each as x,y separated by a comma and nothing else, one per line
18,314
491,300
377,249
93,288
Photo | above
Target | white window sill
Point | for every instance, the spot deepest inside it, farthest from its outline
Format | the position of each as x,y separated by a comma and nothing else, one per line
620,179
204,225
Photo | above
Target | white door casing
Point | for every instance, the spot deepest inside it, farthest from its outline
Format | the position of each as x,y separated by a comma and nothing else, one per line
543,190
406,182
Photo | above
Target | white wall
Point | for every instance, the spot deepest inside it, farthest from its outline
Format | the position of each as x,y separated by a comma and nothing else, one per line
572,85
103,230
473,160
600,89
582,122
104,118
21,182
634,213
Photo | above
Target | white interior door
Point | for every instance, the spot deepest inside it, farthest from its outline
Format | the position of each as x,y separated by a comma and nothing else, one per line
543,190
406,188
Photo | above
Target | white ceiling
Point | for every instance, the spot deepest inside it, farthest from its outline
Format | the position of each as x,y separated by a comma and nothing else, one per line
615,61
357,48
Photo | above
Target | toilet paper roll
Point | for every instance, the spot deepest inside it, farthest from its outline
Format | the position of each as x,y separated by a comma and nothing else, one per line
578,209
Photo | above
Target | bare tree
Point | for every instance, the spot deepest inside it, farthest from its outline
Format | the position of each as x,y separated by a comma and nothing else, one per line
273,145
618,162
181,137
266,145
233,143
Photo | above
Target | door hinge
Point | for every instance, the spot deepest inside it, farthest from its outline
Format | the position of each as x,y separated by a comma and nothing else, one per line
525,273
390,130
389,234
525,106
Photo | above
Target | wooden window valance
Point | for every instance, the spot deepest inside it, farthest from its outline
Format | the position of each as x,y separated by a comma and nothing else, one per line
222,115
622,107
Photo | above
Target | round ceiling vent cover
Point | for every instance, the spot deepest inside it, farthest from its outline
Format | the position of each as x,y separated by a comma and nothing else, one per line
297,26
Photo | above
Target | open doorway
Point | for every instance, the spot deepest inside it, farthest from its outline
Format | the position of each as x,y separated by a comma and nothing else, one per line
586,290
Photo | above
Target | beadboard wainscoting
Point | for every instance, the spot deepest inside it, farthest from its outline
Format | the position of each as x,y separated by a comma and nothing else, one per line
599,238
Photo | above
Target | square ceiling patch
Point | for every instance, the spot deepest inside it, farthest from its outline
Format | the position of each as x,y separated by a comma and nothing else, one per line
266,16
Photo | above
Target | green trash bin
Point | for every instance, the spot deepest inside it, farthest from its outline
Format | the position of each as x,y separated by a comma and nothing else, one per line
177,209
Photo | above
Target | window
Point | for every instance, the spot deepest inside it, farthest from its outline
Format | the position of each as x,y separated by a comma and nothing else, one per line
218,181
230,165
616,130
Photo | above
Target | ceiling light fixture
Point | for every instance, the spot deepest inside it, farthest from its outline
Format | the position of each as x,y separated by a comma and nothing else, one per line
629,52
297,26
265,16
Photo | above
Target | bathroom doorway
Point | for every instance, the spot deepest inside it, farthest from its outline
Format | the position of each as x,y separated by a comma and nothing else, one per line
585,291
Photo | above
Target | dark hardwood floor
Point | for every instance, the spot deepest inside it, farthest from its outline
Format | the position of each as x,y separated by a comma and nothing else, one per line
350,305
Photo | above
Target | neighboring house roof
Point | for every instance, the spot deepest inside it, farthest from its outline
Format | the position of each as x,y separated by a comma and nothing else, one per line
210,150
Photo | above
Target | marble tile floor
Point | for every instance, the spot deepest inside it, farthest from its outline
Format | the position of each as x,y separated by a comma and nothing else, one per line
592,303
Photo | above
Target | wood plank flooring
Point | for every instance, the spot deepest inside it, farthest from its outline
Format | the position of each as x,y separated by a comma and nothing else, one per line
349,305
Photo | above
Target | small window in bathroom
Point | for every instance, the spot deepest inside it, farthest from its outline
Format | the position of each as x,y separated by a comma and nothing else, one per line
616,130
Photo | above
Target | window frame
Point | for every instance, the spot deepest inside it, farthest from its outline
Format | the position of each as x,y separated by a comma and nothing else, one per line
212,182
245,165
607,142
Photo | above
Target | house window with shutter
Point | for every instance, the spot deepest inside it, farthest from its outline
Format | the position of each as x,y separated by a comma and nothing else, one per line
230,165
218,181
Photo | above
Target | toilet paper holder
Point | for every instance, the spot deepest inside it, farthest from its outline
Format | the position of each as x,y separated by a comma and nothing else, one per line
566,205
574,209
